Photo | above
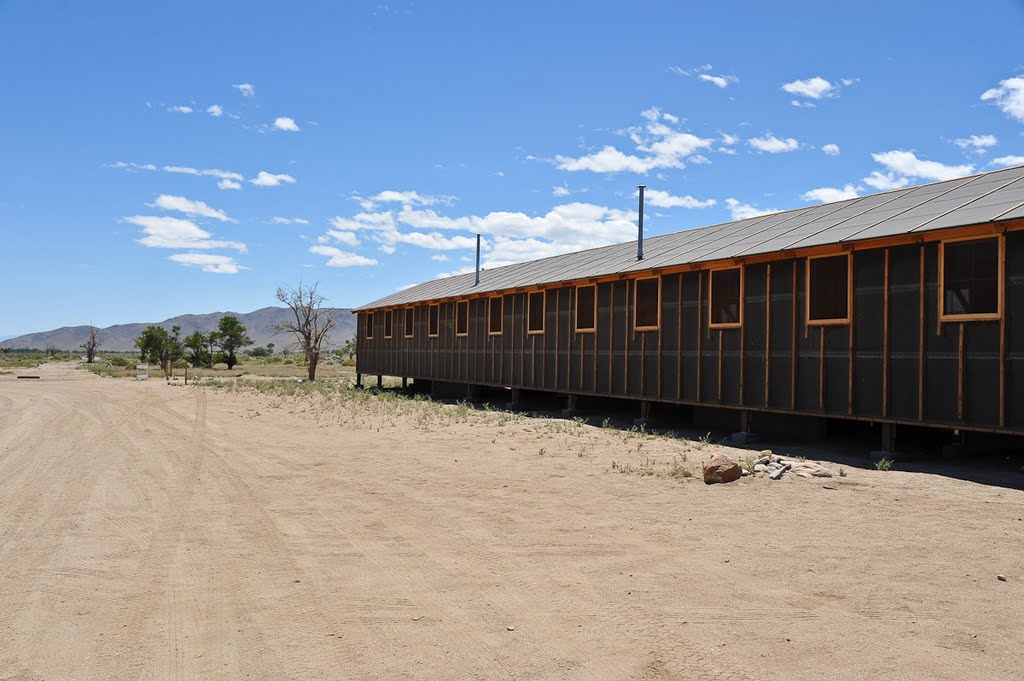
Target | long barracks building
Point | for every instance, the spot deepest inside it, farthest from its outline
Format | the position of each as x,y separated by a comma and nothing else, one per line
895,308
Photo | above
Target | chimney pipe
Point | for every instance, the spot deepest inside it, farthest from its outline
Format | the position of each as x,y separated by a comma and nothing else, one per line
640,225
477,283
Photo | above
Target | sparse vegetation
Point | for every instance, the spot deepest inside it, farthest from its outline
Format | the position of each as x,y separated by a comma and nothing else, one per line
883,465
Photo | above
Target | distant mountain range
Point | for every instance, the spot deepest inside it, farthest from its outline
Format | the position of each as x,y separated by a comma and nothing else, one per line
259,324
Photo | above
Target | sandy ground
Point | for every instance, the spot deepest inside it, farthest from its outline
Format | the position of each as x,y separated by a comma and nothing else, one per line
154,531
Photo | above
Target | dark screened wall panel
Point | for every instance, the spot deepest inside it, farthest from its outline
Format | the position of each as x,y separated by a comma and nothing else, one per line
604,337
691,336
941,350
619,333
782,335
868,331
904,331
754,334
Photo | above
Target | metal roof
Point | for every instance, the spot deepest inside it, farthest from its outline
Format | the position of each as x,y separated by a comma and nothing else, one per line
988,197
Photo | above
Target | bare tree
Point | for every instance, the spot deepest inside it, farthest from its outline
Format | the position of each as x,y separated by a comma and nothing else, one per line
90,344
311,323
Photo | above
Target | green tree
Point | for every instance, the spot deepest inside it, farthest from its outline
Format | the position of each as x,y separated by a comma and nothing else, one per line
158,346
349,348
232,338
212,339
196,344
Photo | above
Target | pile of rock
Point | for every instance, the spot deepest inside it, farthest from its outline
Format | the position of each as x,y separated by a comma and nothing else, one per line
722,468
776,466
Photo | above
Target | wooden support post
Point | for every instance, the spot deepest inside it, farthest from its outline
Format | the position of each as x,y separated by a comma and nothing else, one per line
405,382
700,334
887,441
359,380
744,421
821,367
679,341
380,381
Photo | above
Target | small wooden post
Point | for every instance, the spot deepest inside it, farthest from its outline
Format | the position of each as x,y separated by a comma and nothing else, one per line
359,380
380,381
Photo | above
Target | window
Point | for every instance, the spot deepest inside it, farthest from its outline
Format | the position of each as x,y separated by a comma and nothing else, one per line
462,318
586,308
434,321
495,315
389,323
971,276
369,325
535,312
726,294
409,326
829,290
647,304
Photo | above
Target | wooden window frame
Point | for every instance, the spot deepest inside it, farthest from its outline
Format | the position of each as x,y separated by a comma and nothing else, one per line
636,288
743,293
391,314
544,315
456,325
430,311
1000,273
490,302
409,330
838,321
593,327
368,331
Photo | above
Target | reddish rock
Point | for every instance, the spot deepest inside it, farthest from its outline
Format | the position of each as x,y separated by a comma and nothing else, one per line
721,469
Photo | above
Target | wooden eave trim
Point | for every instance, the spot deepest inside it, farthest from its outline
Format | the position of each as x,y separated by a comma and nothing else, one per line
972,231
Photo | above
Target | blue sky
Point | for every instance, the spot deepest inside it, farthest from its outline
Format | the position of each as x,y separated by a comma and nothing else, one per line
165,158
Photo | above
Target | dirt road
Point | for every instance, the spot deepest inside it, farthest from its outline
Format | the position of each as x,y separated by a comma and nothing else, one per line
152,531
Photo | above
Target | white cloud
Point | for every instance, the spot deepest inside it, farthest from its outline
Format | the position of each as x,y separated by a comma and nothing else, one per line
122,165
218,264
1007,161
1008,96
286,124
180,109
215,110
886,181
830,194
977,144
663,199
511,237
560,190
905,163
411,198
247,89
742,211
662,146
339,258
346,238
831,149
439,257
718,81
265,179
812,88
803,105
289,221
168,232
770,144
229,184
189,207
209,172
